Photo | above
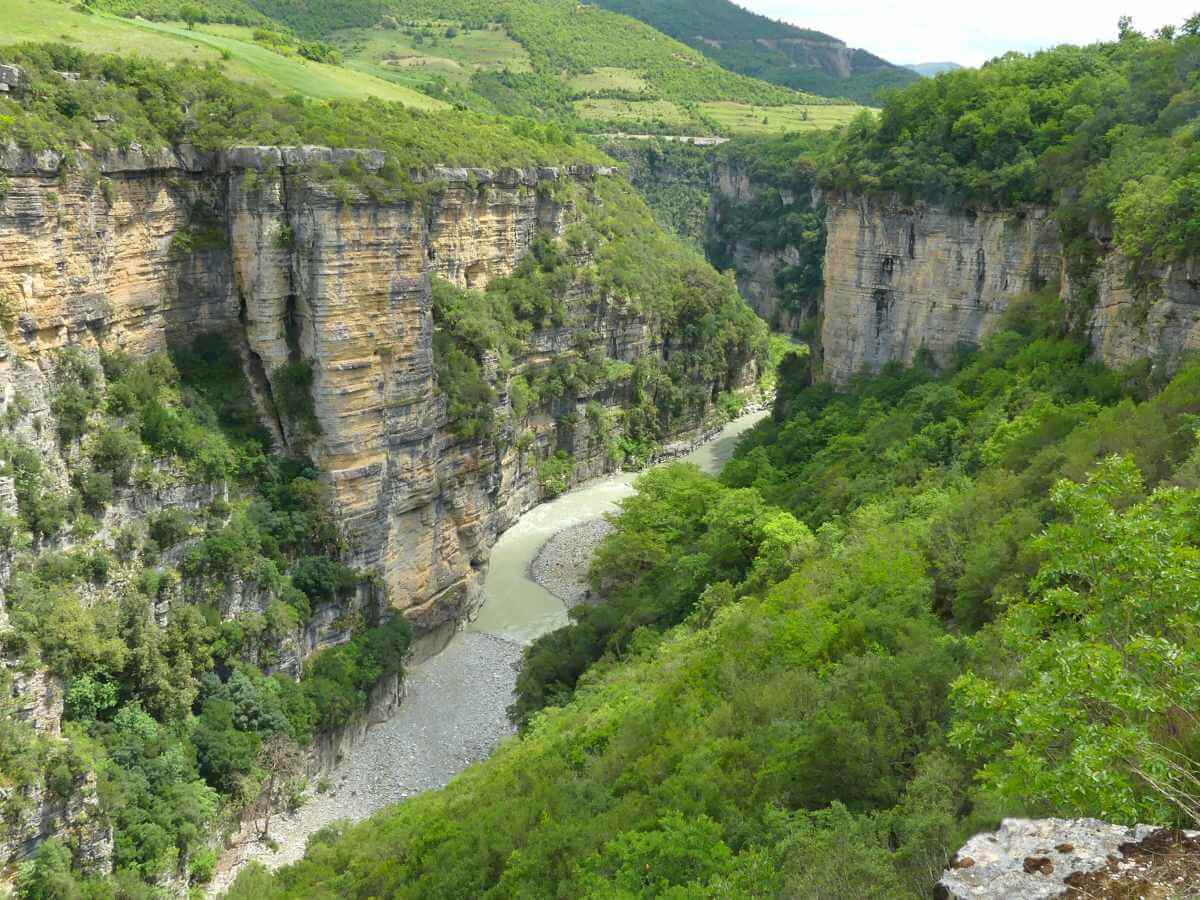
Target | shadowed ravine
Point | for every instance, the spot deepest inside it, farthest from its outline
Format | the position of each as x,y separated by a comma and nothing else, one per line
454,711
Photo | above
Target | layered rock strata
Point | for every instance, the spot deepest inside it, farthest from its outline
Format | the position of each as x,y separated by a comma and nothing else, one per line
901,280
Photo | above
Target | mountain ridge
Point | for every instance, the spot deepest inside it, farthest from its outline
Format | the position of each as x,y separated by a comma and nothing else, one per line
747,42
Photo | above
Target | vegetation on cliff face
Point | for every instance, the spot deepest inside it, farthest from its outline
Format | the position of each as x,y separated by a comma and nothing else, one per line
782,214
171,632
904,609
614,263
1105,133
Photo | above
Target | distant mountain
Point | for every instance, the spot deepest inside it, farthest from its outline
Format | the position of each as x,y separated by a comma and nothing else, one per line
752,44
577,63
928,70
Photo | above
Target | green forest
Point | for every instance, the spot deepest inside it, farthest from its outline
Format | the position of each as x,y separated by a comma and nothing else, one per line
1105,133
909,606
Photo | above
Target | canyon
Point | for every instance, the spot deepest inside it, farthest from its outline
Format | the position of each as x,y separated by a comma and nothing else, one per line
745,220
148,249
295,272
142,251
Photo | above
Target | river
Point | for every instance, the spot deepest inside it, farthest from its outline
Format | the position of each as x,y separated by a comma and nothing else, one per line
519,609
455,707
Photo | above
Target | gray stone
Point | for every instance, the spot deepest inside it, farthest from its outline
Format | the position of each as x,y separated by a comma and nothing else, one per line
8,496
1030,859
11,76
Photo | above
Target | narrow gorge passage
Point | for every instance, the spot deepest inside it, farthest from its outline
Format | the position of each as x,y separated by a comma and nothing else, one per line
455,707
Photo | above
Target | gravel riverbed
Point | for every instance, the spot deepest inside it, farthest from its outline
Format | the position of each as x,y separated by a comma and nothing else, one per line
561,566
453,714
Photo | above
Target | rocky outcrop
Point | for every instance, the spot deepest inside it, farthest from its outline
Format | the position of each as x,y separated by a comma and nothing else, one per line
901,279
1156,319
904,279
767,262
1031,859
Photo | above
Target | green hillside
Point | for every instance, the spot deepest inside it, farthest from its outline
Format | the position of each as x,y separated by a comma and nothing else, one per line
585,66
815,676
232,47
743,41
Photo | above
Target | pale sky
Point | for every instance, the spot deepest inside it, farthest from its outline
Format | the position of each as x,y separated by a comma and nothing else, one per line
969,32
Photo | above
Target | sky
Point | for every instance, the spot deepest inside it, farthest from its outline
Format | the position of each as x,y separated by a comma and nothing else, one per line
969,32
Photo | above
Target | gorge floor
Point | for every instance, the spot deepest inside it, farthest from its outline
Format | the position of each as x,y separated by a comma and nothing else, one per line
419,749
454,711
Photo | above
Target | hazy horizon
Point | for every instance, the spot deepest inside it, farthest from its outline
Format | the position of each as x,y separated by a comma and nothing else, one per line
969,34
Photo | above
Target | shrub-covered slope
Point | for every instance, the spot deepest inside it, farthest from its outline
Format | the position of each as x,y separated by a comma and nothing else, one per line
172,704
904,610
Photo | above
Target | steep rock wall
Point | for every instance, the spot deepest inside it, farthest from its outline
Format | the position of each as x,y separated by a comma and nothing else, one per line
761,267
159,247
902,279
1159,321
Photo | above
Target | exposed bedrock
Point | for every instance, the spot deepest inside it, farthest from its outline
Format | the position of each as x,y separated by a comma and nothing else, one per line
902,279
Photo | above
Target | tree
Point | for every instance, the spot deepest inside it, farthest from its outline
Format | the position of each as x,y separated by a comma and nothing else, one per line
282,764
191,14
1097,714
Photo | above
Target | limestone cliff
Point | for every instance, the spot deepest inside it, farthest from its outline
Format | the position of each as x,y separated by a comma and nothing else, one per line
1158,319
900,280
157,248
904,279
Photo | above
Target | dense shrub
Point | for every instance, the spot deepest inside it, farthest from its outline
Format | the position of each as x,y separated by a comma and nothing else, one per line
171,713
1102,131
907,607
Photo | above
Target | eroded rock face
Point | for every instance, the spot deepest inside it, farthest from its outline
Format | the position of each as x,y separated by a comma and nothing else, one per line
1160,321
1031,859
902,279
758,268
344,283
